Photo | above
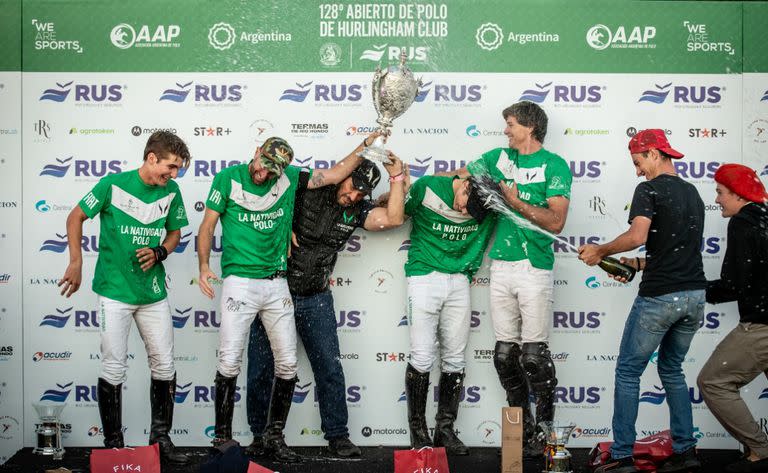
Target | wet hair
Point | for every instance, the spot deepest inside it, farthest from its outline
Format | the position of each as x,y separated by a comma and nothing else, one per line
163,143
529,114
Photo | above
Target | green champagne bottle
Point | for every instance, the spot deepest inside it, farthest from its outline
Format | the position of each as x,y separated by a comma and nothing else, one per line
614,267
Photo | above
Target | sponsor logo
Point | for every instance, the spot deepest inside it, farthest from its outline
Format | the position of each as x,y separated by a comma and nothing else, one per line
593,282
330,54
89,244
425,131
564,95
632,131
601,37
183,243
200,395
83,169
222,36
110,95
204,94
125,36
42,130
309,130
9,427
137,130
763,394
393,356
566,244
469,394
490,36
696,171
211,167
684,96
414,54
577,321
51,356
591,432
586,171
587,397
758,131
6,352
47,39
84,320
473,131
349,320
483,355
367,431
698,40
586,132
91,131
211,131
5,278
339,281
706,133
451,94
381,280
331,94
489,432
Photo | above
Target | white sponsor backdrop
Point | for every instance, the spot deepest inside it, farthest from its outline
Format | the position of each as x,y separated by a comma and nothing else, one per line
98,123
11,349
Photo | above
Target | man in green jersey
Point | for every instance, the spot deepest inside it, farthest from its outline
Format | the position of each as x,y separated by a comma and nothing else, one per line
536,184
255,202
136,208
447,246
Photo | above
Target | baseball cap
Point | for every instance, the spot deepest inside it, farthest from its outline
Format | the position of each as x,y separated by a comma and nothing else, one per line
652,138
276,154
742,181
366,177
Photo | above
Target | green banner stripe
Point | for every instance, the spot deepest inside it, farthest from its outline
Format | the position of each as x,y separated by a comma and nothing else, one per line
10,35
602,36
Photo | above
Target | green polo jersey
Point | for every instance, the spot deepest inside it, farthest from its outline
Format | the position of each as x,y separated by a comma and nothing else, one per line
539,176
443,239
256,220
133,215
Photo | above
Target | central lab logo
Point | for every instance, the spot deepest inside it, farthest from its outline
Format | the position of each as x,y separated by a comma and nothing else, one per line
124,36
601,37
413,53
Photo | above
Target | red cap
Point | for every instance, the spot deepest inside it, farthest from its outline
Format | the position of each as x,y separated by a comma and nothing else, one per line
652,138
742,181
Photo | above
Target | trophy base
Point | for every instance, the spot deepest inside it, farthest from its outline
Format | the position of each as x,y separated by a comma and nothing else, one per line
57,453
375,153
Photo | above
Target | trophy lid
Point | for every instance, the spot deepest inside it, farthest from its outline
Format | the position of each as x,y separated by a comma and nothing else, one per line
49,411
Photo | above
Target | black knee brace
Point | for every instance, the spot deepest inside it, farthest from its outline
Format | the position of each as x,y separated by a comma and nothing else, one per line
538,365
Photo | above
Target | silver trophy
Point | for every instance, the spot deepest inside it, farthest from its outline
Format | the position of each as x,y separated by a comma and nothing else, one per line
556,457
49,430
394,90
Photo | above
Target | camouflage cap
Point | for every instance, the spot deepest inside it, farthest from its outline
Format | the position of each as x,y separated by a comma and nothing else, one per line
276,154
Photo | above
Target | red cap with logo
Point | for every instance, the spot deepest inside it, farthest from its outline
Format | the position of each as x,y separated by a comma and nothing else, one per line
652,138
742,181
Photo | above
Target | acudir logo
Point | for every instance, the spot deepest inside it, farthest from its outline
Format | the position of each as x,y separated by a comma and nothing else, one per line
51,356
204,94
125,36
601,37
564,94
84,94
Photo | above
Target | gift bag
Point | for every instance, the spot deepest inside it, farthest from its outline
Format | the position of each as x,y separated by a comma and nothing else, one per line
424,460
110,460
648,452
256,468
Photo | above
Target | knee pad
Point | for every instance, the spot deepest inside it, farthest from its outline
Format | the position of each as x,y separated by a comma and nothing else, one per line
506,360
538,365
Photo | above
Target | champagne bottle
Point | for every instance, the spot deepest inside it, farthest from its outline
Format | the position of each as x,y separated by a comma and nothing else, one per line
614,267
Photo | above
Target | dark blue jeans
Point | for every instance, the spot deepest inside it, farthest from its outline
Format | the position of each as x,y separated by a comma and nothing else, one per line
668,322
316,326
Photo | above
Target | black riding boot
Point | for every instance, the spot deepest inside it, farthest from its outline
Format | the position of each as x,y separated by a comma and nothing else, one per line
506,359
279,406
416,391
224,403
161,399
447,411
111,412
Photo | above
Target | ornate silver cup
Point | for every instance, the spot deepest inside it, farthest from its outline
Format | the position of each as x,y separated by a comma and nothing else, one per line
394,90
49,430
556,457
